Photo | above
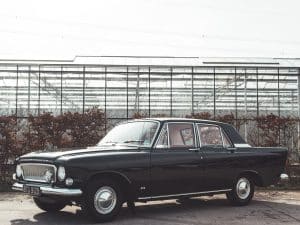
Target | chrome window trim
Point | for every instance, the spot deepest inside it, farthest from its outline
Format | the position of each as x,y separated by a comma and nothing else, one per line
242,145
167,125
183,194
168,136
39,164
160,134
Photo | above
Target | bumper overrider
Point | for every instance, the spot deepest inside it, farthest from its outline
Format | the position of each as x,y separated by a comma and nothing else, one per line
284,177
49,190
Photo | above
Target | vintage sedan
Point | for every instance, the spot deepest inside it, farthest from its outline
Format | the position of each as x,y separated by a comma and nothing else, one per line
146,160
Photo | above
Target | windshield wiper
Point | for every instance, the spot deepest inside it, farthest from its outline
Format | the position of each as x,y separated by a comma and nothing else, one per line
134,141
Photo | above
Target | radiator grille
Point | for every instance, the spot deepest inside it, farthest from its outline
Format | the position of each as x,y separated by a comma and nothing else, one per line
36,172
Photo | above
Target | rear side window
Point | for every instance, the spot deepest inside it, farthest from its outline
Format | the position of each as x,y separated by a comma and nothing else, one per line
210,135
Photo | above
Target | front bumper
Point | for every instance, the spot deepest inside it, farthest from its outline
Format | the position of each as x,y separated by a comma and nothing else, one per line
48,190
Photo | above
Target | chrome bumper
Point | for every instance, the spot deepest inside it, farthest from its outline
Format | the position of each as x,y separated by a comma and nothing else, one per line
48,190
284,177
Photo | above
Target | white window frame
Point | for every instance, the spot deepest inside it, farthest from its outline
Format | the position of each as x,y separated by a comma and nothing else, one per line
196,143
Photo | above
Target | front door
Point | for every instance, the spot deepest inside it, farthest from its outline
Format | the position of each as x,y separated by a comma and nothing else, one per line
175,161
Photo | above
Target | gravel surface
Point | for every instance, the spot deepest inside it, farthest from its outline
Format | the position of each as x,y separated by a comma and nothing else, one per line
272,207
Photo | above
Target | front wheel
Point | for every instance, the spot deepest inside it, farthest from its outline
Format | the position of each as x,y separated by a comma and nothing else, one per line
242,192
49,206
103,200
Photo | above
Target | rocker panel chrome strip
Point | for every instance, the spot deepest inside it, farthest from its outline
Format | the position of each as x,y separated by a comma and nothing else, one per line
183,194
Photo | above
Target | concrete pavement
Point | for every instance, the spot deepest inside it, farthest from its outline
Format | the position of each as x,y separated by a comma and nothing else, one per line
274,207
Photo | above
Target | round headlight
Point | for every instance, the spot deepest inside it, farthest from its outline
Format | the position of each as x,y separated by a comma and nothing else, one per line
19,171
61,173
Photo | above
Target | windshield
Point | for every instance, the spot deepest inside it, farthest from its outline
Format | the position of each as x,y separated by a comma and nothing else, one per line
140,133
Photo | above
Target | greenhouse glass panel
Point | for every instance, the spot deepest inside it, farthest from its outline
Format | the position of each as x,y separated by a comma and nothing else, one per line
72,89
181,91
94,93
8,90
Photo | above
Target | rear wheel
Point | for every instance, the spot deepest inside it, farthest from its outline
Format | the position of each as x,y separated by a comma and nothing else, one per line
242,191
103,200
49,206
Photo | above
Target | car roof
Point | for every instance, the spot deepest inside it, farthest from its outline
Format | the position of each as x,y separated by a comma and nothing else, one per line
228,128
174,119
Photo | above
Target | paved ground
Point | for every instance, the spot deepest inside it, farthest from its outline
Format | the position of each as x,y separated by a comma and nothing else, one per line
267,208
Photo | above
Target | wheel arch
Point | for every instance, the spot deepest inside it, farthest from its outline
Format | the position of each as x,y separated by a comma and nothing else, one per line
254,175
120,178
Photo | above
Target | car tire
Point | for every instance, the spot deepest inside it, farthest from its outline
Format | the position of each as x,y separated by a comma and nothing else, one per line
242,191
103,200
49,206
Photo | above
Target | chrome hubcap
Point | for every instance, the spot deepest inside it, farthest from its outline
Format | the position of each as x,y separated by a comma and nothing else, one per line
105,200
243,188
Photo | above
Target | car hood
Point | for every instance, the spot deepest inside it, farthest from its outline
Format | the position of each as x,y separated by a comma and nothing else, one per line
53,155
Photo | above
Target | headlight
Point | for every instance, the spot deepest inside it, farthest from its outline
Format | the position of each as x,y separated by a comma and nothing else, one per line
19,171
61,173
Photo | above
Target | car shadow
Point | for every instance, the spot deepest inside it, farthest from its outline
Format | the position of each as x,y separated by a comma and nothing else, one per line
172,212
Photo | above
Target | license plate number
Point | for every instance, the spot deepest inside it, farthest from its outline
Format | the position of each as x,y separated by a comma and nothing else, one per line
32,190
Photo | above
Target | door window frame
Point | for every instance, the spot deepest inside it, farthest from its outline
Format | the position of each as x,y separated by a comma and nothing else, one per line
196,141
220,130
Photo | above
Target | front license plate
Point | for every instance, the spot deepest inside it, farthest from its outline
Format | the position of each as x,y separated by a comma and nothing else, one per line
32,190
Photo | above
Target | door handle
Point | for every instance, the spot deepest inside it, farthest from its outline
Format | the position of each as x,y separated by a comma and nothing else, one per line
194,149
232,150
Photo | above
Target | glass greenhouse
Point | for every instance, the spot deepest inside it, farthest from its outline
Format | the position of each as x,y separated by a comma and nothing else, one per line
152,86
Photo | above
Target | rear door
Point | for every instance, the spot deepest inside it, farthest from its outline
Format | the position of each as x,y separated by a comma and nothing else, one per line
175,166
218,159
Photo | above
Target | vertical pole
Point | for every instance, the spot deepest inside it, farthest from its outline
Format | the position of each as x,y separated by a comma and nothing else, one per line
17,90
28,143
28,90
245,104
235,98
127,92
192,91
39,92
83,89
149,93
214,76
278,104
137,92
298,95
257,104
105,85
171,92
61,90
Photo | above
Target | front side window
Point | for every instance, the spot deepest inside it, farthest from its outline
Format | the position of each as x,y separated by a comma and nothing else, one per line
139,133
210,135
177,135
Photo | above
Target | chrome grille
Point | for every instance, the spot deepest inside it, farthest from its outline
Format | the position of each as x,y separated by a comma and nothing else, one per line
36,172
